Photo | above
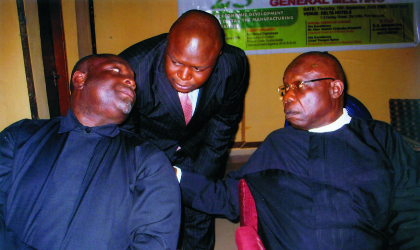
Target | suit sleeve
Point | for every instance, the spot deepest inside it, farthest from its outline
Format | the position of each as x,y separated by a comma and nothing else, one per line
223,126
220,197
211,196
8,239
404,227
156,215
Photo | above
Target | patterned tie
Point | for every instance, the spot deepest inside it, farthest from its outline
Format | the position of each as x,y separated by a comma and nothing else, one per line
186,106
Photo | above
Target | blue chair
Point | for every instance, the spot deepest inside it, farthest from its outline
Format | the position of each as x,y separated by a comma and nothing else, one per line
354,107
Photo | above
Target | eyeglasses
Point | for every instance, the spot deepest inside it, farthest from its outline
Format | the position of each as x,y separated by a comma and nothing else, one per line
297,86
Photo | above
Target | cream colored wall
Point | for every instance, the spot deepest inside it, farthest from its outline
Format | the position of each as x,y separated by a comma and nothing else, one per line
120,24
14,102
374,76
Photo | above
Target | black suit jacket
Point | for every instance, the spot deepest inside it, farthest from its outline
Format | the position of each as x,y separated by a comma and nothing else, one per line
158,115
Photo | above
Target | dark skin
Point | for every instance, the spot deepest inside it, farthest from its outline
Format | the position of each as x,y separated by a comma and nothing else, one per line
103,91
194,45
319,103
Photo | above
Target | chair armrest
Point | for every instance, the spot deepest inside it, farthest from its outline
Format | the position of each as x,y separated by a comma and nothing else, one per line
247,239
247,208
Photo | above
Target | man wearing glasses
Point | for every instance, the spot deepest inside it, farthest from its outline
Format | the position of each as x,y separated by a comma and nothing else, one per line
329,181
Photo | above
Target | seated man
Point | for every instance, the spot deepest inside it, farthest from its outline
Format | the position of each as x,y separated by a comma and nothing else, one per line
328,182
79,181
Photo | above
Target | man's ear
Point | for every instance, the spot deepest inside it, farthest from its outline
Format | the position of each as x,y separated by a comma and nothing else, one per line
337,88
78,79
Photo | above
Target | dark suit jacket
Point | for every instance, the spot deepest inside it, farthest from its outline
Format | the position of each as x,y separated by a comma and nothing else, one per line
158,115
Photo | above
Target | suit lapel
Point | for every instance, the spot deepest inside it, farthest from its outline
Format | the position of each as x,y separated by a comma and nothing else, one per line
207,92
168,95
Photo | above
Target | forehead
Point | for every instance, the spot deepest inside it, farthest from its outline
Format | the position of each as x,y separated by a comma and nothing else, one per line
111,60
195,49
306,66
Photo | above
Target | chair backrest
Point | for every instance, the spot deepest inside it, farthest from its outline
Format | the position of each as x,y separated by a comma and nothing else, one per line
354,108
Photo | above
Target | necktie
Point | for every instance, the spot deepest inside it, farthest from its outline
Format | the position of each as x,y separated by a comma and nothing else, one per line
186,106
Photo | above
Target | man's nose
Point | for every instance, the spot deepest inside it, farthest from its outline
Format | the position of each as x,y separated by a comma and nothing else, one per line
184,74
130,82
289,96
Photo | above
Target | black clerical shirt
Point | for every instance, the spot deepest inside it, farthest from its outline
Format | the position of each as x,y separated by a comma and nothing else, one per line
67,186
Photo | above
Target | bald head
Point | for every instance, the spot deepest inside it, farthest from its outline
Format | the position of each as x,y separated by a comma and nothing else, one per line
316,90
195,42
199,24
323,62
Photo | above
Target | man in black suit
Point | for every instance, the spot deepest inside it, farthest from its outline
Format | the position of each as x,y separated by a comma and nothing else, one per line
192,59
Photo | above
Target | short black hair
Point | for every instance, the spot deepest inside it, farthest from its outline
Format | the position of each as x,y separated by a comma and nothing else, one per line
83,63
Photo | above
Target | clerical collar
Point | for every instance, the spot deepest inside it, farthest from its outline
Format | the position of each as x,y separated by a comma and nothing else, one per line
341,121
70,122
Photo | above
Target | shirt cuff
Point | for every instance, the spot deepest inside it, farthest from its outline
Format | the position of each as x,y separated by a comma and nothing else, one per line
178,173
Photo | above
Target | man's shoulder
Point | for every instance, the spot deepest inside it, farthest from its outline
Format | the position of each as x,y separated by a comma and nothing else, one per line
137,141
132,137
232,50
147,156
372,125
137,51
233,62
22,130
28,125
375,130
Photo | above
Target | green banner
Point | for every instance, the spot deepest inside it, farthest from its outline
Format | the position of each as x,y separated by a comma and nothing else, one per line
318,26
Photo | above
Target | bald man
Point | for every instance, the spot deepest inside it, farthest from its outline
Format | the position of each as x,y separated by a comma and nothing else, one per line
81,182
329,181
191,63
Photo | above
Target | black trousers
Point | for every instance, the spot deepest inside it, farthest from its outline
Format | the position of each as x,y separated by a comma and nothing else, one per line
197,230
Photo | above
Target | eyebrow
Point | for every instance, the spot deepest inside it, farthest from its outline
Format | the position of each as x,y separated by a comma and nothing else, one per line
117,62
173,58
199,67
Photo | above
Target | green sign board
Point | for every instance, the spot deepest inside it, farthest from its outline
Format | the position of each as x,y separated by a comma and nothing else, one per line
319,26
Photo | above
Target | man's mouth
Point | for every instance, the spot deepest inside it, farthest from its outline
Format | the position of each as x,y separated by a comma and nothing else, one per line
290,112
182,87
129,92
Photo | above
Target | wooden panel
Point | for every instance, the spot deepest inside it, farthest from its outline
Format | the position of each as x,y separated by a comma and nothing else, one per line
27,59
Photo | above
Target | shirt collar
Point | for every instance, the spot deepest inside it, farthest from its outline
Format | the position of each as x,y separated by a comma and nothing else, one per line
340,122
70,122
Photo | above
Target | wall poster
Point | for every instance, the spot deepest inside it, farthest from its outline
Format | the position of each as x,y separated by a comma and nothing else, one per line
275,26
